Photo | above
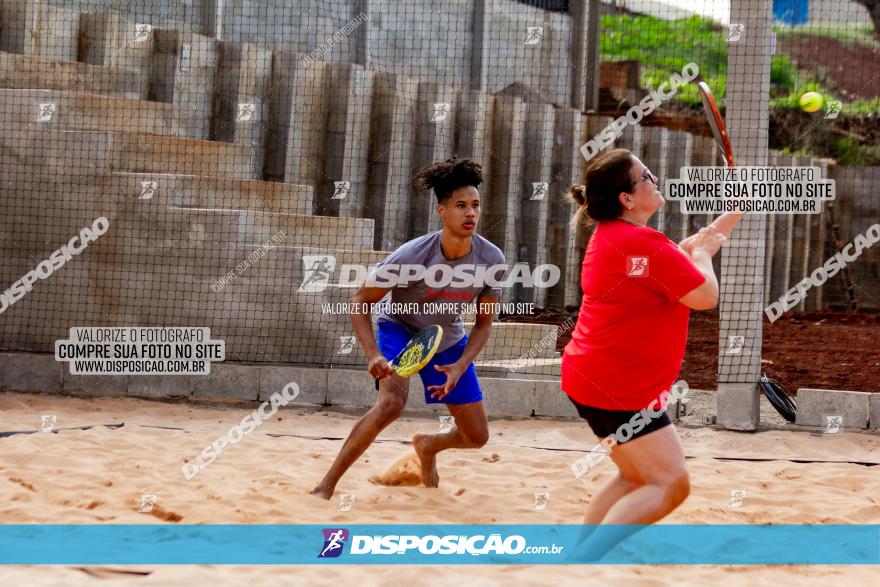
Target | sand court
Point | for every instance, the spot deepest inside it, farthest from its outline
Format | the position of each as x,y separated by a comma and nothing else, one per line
97,476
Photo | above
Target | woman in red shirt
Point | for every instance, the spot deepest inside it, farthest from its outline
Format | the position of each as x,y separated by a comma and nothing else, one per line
627,347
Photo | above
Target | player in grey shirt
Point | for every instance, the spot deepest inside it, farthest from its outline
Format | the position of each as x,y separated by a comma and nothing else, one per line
441,304
429,278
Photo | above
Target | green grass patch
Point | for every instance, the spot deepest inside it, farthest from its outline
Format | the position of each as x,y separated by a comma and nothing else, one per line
849,152
857,34
791,101
664,47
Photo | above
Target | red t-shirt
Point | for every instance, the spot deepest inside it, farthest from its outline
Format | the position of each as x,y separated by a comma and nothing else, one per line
629,340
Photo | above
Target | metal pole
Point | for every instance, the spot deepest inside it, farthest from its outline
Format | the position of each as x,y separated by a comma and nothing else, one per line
585,54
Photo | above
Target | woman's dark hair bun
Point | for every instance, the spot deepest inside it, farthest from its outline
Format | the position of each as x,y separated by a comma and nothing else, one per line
578,194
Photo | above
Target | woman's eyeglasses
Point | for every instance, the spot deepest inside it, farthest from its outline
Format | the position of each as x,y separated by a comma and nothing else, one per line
648,176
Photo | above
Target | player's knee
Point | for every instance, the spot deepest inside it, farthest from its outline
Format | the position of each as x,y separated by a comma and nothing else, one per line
478,438
390,409
678,488
630,480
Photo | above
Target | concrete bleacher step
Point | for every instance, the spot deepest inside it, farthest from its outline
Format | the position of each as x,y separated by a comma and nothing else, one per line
84,111
307,229
246,293
326,335
498,358
247,227
132,153
108,38
156,217
32,72
536,368
38,28
230,270
535,343
139,153
198,191
510,340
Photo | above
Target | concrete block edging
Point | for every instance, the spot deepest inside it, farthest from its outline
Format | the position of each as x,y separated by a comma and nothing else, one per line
814,406
39,372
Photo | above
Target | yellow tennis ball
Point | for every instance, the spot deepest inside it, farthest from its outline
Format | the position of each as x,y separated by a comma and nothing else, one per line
811,101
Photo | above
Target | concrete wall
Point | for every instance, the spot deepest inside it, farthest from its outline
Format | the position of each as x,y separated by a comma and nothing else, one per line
157,263
857,208
313,124
458,41
33,372
798,244
300,26
185,15
26,71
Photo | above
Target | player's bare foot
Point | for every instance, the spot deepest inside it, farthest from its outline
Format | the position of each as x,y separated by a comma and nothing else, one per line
322,491
428,461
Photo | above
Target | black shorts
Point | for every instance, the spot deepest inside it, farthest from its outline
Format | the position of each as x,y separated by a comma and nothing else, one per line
608,422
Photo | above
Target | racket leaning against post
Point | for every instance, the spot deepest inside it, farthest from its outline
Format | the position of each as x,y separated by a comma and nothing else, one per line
779,397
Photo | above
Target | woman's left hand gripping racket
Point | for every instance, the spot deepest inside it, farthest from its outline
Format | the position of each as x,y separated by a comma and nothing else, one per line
417,352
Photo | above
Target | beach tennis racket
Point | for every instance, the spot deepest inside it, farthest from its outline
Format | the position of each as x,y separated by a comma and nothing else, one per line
716,123
417,352
779,398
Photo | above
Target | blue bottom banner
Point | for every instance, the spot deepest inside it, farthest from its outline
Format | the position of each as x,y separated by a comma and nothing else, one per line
520,544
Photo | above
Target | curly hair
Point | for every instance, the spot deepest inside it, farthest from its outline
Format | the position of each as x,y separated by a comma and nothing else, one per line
444,177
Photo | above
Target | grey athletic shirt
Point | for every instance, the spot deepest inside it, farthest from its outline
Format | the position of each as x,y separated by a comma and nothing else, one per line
435,304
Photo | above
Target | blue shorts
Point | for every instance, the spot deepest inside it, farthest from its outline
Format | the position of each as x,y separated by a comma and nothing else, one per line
392,337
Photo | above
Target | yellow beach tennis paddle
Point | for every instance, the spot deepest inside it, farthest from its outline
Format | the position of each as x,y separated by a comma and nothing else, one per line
417,352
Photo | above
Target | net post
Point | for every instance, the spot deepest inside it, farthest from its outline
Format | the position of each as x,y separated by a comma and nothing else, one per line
585,54
742,263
